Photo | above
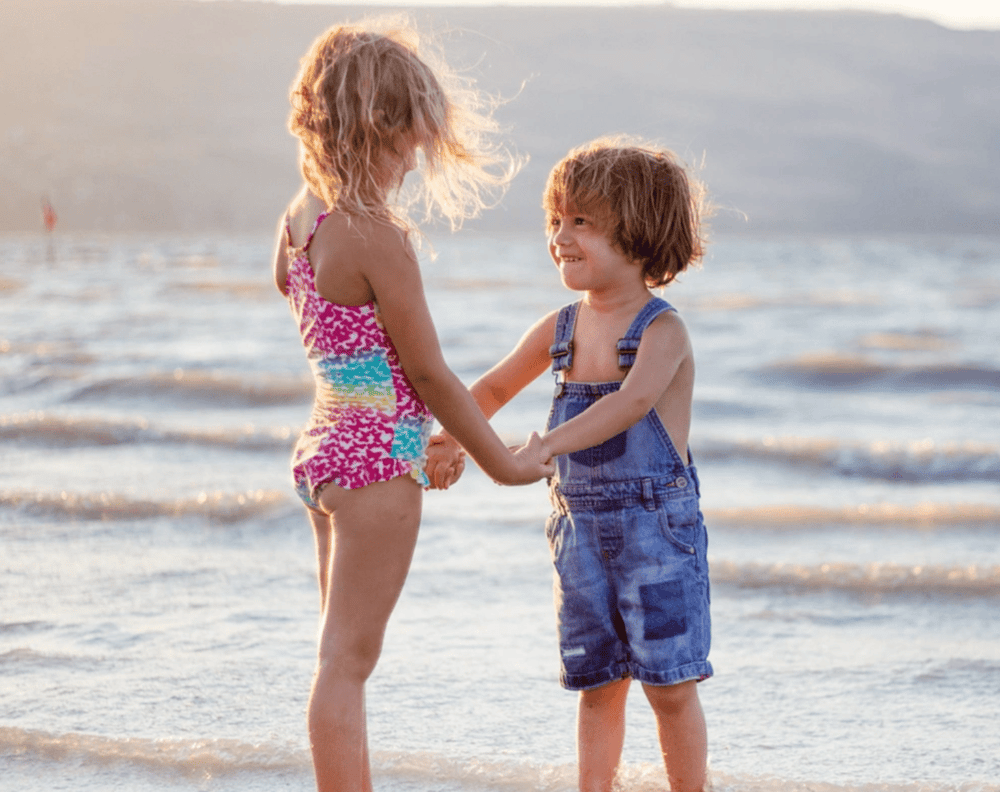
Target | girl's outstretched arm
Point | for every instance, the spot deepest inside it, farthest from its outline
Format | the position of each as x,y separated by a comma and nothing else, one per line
390,266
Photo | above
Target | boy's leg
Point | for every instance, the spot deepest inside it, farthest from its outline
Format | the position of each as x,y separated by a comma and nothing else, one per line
680,724
600,733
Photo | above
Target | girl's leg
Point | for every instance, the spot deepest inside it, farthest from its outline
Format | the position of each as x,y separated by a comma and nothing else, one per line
323,530
372,534
680,724
600,734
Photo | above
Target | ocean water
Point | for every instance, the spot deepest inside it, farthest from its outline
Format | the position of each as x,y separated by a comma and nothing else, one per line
158,604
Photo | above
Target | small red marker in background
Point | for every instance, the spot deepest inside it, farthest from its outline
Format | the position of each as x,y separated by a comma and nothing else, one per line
48,215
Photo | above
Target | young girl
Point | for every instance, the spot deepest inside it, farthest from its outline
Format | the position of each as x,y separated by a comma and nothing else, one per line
627,536
363,104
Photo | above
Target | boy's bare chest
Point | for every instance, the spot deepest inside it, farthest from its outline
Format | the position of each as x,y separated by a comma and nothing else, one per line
595,351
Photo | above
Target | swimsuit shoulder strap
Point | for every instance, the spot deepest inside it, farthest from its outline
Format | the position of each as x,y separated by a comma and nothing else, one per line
312,233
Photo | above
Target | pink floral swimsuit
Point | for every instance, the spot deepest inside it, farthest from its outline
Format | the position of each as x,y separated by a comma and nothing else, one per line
368,424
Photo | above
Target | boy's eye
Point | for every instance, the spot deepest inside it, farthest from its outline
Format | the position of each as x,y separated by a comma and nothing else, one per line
580,220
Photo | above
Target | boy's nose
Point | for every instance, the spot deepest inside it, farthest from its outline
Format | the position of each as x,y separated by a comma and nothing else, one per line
562,235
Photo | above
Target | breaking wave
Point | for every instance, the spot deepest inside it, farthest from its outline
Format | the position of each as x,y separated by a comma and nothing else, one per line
216,507
207,757
923,516
833,370
220,758
198,387
864,579
47,429
915,461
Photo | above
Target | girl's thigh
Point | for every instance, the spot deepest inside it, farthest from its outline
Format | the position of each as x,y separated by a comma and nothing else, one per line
373,534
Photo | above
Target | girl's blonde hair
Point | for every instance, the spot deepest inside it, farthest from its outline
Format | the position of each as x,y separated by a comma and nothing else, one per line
374,89
640,196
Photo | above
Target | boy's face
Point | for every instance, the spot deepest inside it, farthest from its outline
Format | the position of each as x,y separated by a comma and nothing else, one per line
585,255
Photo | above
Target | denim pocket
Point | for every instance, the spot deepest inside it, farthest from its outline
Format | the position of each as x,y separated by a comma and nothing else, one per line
603,454
611,449
680,530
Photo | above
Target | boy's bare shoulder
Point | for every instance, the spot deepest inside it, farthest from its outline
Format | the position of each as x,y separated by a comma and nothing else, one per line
669,319
667,329
541,334
547,321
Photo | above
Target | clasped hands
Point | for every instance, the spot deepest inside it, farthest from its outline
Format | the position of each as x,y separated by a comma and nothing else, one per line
446,458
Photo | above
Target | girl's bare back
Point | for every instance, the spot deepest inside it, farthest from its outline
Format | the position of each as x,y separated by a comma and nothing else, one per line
343,249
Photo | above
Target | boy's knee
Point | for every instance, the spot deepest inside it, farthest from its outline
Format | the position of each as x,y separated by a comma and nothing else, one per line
672,698
610,694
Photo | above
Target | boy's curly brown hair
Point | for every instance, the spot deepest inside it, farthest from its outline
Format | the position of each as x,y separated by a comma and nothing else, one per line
640,195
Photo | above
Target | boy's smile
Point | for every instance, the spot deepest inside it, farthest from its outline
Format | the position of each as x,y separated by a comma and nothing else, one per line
585,255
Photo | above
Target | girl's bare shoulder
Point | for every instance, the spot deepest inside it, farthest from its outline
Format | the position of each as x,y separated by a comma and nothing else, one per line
357,258
303,212
362,238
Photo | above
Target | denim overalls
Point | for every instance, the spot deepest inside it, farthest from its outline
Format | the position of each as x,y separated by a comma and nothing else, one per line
628,540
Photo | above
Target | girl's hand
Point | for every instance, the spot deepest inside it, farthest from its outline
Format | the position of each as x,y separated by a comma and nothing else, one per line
532,462
445,461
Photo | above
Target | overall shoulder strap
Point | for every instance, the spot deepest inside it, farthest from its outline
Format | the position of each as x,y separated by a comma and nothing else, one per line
628,346
561,350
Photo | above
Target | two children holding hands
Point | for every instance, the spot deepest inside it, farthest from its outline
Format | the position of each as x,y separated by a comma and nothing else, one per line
627,537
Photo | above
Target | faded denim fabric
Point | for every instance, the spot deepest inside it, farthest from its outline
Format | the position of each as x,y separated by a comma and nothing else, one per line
628,541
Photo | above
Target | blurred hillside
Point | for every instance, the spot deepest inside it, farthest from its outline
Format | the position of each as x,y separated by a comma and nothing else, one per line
169,115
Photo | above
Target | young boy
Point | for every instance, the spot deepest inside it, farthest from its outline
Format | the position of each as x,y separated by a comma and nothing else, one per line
627,536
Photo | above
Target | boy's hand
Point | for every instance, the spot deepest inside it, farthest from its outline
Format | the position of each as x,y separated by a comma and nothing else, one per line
533,460
445,461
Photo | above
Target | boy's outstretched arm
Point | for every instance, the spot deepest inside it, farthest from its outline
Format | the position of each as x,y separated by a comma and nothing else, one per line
664,348
522,365
492,391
